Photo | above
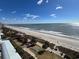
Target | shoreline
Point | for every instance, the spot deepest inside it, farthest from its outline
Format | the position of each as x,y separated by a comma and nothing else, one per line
53,33
59,41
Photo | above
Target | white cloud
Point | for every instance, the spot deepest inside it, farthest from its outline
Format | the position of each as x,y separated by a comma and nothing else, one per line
1,9
53,15
59,7
25,18
34,16
28,15
47,1
13,12
39,2
3,18
31,16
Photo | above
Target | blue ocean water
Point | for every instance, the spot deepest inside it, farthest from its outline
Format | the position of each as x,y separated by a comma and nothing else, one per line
64,28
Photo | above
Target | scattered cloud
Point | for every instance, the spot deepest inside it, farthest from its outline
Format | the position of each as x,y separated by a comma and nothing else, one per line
53,15
3,18
13,12
25,18
59,7
1,9
31,16
39,2
34,16
47,1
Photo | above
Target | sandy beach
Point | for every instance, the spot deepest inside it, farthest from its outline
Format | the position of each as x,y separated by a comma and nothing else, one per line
58,40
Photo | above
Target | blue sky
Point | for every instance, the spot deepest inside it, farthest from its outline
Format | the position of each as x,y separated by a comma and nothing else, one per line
39,11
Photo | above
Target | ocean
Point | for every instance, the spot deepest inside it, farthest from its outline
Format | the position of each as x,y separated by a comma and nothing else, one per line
60,28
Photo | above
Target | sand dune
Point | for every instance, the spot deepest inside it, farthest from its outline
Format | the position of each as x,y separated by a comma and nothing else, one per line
58,40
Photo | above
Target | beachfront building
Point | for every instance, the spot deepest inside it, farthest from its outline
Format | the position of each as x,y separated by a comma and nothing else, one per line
8,51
